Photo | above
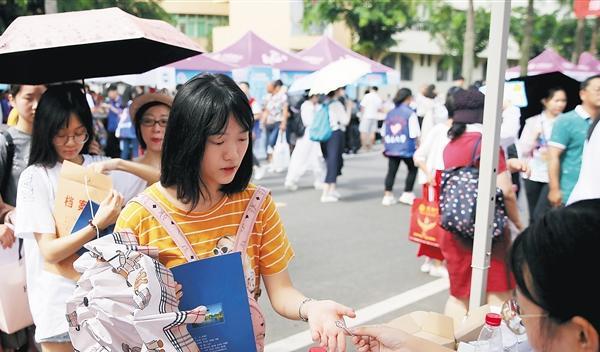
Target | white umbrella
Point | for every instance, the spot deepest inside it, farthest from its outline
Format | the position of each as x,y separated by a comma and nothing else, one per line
337,74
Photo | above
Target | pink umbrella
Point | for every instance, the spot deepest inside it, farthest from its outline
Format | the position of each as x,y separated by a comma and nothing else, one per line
202,63
550,61
85,44
326,51
589,62
252,50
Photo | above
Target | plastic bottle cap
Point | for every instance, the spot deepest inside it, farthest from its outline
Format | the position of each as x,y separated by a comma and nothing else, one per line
493,319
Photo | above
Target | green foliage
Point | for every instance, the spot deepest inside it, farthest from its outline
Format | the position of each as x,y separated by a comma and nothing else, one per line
550,32
141,8
449,25
11,9
372,21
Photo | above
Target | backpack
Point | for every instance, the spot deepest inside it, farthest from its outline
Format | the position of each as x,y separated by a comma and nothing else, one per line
458,201
294,122
10,154
241,244
320,129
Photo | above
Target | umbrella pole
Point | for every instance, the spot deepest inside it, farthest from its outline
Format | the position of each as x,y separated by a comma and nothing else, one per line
492,116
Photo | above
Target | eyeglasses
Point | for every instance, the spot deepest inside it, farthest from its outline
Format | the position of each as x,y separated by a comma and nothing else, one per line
147,122
77,138
511,314
221,250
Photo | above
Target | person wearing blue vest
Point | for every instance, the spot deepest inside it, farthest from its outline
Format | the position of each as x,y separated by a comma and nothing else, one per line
400,133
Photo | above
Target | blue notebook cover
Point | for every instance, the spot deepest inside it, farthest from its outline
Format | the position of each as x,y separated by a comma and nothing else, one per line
83,221
218,284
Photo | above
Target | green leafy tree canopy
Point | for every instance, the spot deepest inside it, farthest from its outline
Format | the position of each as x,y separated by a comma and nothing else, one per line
448,25
372,21
11,9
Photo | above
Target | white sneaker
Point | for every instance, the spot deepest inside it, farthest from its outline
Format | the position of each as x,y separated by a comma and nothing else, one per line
290,186
329,198
438,271
407,198
388,200
336,194
259,172
426,267
318,185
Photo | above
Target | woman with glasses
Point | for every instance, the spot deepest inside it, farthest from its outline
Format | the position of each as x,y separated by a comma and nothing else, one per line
61,131
150,114
556,302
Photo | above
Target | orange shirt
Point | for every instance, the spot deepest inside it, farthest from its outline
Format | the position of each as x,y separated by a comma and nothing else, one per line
213,232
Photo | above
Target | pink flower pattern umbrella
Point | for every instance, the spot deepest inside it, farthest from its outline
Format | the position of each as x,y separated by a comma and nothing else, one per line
84,44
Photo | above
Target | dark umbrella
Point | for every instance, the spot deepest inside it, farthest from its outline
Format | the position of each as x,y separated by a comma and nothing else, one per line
85,44
536,88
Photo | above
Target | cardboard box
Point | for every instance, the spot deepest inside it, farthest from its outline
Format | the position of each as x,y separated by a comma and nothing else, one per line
441,329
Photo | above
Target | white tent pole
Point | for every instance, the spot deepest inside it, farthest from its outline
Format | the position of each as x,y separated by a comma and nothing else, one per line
492,118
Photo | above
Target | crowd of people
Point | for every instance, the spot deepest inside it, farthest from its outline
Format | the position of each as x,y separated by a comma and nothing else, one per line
193,154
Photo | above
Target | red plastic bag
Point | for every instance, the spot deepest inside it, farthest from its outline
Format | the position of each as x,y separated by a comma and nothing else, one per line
425,219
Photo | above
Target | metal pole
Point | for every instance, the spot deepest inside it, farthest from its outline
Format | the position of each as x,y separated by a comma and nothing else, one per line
492,118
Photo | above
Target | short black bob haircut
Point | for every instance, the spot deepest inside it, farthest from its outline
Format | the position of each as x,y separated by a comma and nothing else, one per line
202,108
549,260
52,114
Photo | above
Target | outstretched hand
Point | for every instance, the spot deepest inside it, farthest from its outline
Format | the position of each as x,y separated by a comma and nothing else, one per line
106,166
379,338
322,316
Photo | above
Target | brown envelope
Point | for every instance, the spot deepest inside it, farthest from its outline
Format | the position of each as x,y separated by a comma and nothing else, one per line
71,198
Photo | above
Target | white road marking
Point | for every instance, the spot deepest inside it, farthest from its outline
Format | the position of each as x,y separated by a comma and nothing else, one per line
364,315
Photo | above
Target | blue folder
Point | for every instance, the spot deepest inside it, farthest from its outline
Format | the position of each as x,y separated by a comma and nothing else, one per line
84,219
218,283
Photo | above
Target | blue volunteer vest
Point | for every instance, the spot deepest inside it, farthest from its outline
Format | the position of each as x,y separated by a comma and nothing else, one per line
397,141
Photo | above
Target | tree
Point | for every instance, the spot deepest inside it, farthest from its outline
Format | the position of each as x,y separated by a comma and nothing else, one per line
527,39
11,9
579,38
469,48
594,40
544,29
449,26
140,8
372,21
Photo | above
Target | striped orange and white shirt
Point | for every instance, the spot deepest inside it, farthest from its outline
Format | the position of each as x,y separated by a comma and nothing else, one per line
213,232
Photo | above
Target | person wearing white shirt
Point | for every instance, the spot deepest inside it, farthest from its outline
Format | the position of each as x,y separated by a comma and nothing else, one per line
307,153
587,186
371,106
333,148
61,131
533,146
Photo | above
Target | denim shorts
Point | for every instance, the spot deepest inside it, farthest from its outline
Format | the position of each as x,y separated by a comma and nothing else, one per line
60,338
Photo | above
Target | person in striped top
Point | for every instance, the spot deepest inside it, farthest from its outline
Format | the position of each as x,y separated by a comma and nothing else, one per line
205,172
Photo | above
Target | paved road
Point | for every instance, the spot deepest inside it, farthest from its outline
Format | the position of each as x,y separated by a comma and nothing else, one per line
355,251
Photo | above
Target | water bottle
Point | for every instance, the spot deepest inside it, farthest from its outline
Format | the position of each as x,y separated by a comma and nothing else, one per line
490,337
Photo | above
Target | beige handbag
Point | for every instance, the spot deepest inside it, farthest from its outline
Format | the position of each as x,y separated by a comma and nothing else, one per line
14,306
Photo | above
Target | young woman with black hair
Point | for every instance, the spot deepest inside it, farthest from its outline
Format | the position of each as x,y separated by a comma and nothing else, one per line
533,146
62,130
402,130
556,301
463,150
204,187
333,148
